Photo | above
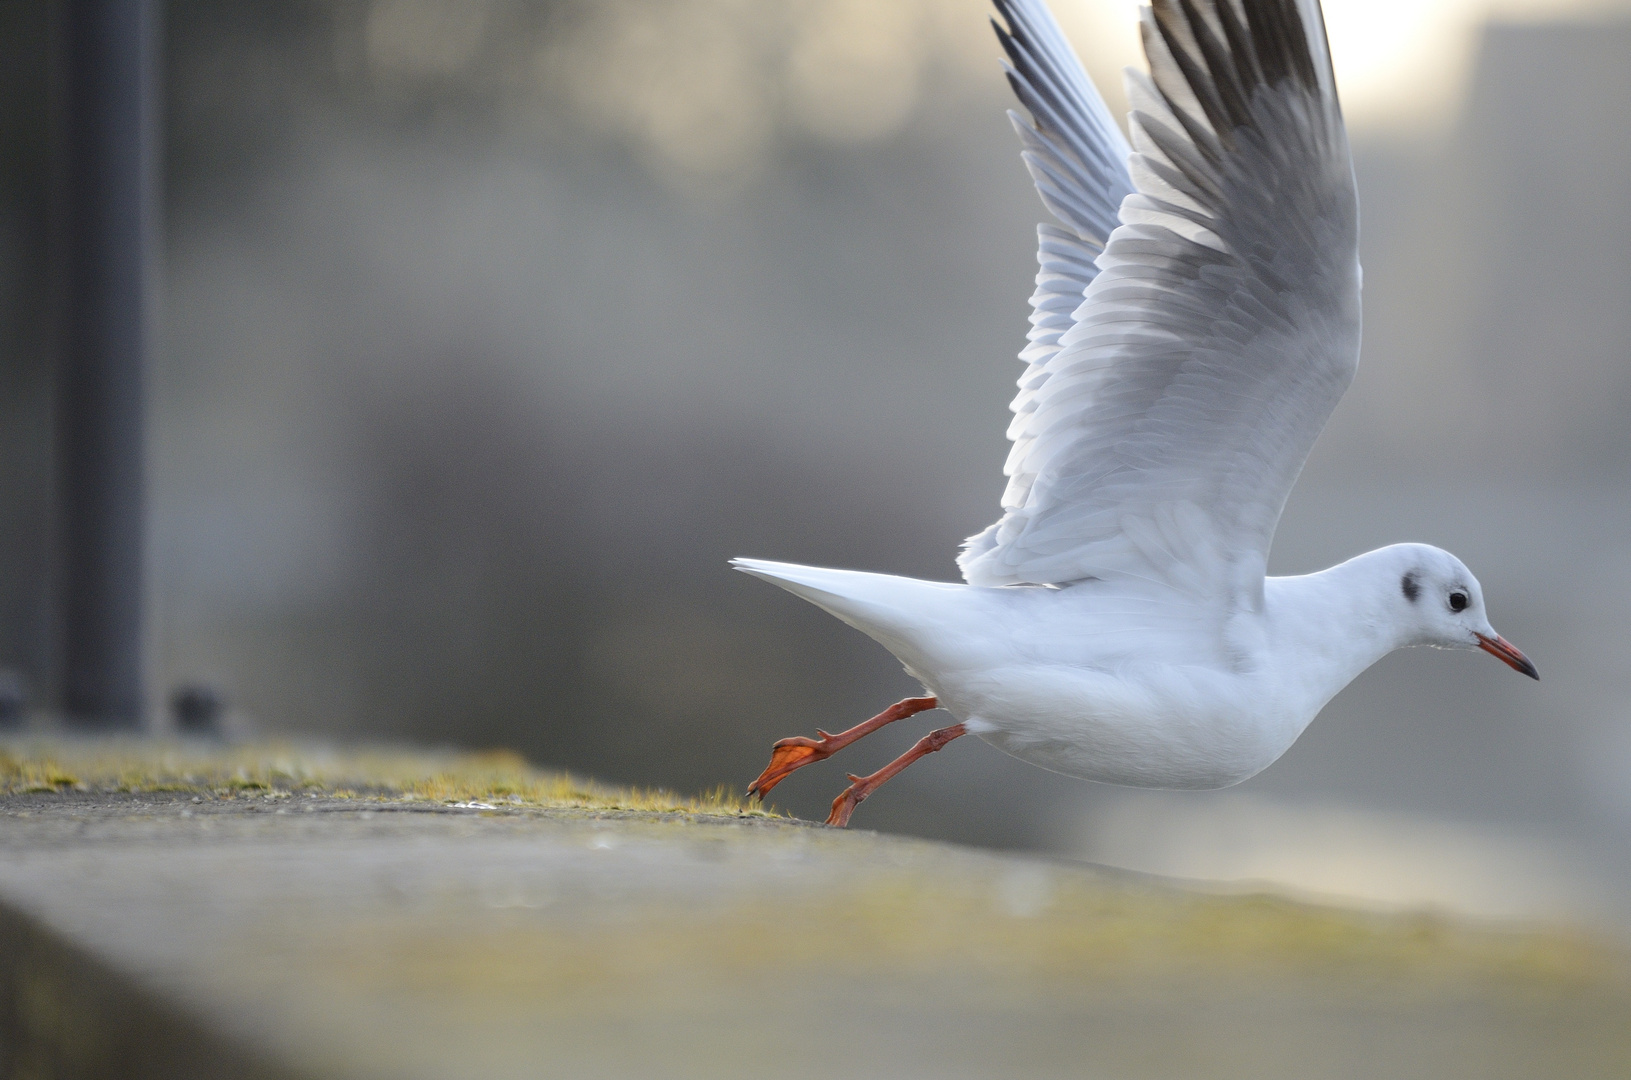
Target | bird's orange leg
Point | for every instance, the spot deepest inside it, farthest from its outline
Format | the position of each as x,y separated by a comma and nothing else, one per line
862,786
789,755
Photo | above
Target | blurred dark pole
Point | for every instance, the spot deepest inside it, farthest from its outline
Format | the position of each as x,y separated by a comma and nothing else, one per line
106,231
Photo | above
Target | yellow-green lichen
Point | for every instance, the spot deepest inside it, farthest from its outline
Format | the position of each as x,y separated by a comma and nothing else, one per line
29,773
499,777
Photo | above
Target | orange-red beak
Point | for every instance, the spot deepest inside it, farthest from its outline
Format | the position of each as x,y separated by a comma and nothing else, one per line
1508,654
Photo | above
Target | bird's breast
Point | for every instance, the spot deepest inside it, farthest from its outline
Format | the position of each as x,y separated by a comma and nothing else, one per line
1149,725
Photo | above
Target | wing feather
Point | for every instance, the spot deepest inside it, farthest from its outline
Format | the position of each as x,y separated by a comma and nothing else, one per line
1078,159
1073,148
1164,419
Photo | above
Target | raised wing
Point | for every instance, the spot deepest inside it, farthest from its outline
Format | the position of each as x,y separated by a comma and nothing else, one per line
1076,155
1158,442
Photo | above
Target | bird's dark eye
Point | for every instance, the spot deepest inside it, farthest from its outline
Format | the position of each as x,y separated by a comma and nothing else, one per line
1458,601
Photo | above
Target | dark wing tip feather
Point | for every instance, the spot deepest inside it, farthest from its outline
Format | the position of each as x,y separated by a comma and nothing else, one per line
1225,50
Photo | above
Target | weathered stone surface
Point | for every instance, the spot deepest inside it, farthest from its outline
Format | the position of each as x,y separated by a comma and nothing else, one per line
298,934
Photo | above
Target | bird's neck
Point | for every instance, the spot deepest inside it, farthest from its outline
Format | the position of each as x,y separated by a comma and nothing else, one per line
1326,628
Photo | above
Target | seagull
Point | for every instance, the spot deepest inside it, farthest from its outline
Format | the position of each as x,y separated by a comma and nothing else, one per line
1195,321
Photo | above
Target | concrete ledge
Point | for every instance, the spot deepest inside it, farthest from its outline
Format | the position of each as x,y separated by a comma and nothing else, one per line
294,932
65,1014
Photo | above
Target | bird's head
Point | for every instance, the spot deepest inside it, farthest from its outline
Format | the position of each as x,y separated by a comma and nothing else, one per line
1439,598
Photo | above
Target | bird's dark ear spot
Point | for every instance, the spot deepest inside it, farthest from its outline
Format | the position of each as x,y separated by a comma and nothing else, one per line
1408,586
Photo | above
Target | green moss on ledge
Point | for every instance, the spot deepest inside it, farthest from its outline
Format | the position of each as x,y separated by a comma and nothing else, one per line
137,765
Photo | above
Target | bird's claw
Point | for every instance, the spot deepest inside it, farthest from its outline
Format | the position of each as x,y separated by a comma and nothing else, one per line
787,756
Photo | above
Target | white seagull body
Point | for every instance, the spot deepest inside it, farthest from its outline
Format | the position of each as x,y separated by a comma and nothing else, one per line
1195,322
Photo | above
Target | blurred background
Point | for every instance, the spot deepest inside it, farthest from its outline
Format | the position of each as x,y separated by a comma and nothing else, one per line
492,328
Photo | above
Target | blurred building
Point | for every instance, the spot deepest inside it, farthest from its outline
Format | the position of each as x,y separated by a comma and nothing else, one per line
1548,166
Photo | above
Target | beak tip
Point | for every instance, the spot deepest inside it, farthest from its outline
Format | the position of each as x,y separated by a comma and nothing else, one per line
1509,654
